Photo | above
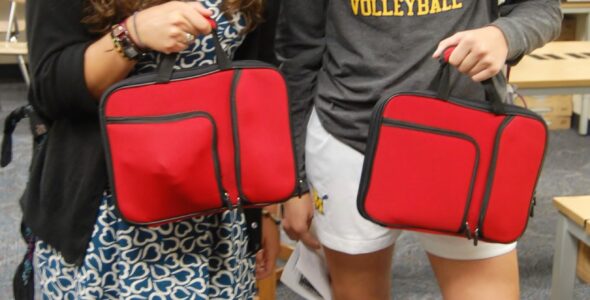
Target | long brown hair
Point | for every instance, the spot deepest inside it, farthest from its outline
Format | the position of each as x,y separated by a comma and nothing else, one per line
100,15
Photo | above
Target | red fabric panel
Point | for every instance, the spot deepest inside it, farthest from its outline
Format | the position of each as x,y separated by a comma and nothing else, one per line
153,183
193,94
396,193
266,149
443,114
519,161
209,93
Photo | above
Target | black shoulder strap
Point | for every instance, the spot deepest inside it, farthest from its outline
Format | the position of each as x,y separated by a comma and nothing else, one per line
494,9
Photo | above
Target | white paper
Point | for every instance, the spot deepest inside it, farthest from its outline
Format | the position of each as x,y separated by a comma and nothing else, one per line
306,274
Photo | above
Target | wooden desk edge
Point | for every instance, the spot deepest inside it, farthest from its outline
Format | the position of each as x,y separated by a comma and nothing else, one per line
561,203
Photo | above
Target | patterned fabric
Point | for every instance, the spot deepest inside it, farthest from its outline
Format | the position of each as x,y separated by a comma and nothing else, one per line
200,258
202,51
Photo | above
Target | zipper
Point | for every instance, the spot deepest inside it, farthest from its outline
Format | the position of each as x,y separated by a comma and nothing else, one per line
490,177
236,137
223,195
235,134
433,130
150,78
159,119
534,203
378,117
374,130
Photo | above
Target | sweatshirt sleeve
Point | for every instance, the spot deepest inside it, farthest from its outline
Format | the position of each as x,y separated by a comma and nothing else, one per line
529,24
57,42
300,45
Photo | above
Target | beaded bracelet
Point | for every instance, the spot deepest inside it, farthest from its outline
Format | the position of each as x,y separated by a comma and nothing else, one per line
123,43
273,217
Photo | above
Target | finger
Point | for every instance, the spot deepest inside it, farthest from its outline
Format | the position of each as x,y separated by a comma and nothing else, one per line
187,25
263,266
310,241
264,272
478,68
291,234
174,48
446,43
200,8
468,63
198,17
483,75
459,54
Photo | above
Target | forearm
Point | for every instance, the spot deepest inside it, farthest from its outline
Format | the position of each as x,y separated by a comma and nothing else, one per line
104,66
528,25
300,48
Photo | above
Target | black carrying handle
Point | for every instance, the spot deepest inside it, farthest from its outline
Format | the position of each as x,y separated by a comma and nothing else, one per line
9,126
441,84
166,65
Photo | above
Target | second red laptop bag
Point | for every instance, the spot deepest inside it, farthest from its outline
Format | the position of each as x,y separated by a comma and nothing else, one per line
193,142
439,164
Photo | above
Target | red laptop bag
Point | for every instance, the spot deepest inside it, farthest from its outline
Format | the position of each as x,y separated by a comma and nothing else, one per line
185,143
439,164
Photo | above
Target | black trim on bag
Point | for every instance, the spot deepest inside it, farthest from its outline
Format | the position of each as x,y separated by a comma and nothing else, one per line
531,202
484,106
236,137
186,74
224,201
428,129
374,131
152,77
237,148
491,173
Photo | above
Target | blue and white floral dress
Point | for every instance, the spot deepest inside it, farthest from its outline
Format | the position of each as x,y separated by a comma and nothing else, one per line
199,258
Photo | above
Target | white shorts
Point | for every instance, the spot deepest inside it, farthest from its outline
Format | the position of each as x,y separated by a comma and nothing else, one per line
334,173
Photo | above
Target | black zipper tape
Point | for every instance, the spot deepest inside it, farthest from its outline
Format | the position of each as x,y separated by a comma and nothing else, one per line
160,119
453,134
491,173
237,152
236,136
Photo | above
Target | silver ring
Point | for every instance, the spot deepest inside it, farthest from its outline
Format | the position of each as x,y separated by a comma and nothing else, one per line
189,37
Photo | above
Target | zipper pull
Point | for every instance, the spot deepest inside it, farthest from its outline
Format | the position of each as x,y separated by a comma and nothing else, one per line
532,214
475,236
227,201
467,230
299,187
239,205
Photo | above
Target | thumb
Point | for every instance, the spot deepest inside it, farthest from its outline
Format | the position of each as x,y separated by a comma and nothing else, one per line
446,43
310,241
201,9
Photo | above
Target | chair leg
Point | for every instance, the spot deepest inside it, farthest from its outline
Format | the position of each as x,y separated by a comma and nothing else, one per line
564,262
24,70
267,288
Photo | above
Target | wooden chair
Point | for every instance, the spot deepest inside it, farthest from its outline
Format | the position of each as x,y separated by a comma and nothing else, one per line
573,226
11,44
267,287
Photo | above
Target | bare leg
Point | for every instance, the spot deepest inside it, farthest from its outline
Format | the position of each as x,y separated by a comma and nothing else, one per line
493,278
363,276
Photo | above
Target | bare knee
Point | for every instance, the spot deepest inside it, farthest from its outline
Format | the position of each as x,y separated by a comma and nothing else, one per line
363,276
492,278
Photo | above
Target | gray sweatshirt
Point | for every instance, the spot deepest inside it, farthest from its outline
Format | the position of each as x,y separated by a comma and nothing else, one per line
342,56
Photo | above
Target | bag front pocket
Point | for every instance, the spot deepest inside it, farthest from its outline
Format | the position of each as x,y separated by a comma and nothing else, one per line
265,159
404,160
164,168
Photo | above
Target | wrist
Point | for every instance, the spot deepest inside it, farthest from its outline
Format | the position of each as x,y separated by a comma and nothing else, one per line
123,43
131,24
271,216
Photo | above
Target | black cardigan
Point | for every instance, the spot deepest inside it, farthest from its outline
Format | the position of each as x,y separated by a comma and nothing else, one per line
68,172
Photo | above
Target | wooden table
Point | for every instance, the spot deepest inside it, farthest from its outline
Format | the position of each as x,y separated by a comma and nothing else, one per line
557,68
573,225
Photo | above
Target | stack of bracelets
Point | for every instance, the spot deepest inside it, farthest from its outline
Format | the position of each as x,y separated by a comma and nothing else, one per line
123,42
